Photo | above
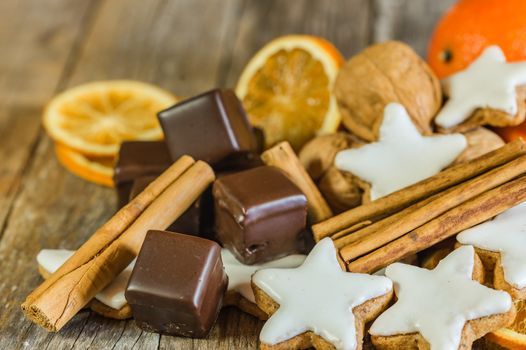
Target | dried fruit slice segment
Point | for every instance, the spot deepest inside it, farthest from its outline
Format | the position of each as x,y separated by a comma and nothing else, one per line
286,89
95,118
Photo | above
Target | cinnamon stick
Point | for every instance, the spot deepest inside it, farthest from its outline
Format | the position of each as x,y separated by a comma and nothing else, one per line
390,228
405,197
118,223
115,244
282,156
466,215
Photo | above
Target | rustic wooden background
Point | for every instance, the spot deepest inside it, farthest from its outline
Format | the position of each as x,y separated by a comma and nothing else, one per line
185,46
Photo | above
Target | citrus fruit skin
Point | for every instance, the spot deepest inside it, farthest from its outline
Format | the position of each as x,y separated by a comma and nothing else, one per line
513,337
98,170
471,25
286,89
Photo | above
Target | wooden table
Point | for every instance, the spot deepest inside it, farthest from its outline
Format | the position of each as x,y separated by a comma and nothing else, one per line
185,46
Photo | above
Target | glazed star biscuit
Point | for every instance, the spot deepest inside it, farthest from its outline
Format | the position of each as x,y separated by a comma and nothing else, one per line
239,291
490,91
501,244
318,304
444,308
400,142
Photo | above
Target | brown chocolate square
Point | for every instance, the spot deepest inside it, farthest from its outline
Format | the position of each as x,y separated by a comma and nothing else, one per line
177,284
137,159
259,214
212,127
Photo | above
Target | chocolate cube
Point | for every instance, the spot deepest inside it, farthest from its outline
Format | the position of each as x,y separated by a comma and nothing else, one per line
259,214
212,127
177,284
196,220
137,159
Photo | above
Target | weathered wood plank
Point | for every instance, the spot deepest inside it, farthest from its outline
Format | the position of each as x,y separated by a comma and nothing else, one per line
408,21
175,44
347,24
36,40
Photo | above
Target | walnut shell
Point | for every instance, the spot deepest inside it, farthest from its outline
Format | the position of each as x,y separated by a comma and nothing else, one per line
318,154
480,141
340,190
494,117
384,73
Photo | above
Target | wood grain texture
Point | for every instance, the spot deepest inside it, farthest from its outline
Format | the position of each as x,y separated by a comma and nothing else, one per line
407,20
185,46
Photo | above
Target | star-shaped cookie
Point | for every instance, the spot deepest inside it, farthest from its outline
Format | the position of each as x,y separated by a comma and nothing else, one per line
437,304
401,156
318,304
239,291
489,82
506,236
239,274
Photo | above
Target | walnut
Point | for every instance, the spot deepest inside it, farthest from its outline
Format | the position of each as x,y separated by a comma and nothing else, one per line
318,154
383,73
340,190
480,141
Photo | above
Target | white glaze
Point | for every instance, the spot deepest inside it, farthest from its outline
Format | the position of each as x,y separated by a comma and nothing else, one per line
437,303
239,275
489,82
112,295
401,156
317,296
506,234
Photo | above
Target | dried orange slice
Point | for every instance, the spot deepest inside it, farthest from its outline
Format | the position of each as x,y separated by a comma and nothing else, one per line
97,170
95,118
286,89
513,337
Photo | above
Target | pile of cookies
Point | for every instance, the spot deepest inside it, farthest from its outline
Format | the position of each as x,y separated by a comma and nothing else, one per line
413,182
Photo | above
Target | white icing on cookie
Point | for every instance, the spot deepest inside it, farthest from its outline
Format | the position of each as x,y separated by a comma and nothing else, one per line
239,275
112,295
317,296
489,82
506,234
437,303
401,156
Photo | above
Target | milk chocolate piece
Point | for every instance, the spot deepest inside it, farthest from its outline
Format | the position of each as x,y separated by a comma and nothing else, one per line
137,159
260,214
212,127
177,284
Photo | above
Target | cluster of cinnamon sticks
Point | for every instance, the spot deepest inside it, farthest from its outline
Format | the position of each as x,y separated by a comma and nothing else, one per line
415,218
114,245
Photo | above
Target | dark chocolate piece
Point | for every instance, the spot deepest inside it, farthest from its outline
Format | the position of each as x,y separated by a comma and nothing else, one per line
177,284
259,214
260,139
212,127
239,162
137,159
196,220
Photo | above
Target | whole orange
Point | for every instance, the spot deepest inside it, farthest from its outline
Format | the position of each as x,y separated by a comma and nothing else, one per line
471,25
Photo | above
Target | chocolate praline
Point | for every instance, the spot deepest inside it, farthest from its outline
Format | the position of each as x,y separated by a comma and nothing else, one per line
177,284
